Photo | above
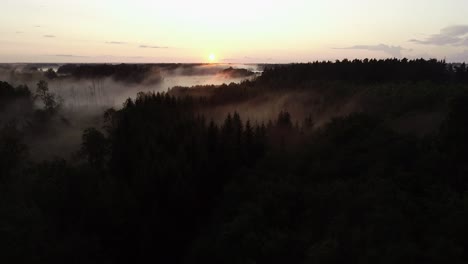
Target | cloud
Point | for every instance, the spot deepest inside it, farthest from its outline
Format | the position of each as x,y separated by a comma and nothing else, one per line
394,51
116,42
257,59
69,56
464,42
152,47
459,57
453,35
49,36
455,30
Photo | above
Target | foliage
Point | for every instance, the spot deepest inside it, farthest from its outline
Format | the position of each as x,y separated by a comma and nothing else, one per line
50,101
8,93
50,74
161,183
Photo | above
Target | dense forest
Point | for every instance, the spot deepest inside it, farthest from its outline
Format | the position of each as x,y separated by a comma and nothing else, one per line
190,176
137,73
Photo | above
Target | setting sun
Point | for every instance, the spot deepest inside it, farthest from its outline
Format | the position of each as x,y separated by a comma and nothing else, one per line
212,57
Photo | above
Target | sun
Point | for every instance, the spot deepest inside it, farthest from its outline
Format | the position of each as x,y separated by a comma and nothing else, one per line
212,57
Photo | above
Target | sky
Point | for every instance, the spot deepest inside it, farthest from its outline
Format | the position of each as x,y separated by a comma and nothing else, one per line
234,31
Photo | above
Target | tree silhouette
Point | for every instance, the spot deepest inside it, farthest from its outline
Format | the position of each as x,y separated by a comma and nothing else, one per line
94,147
51,74
50,101
13,152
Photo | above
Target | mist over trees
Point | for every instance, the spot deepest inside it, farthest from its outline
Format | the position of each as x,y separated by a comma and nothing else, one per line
177,177
138,73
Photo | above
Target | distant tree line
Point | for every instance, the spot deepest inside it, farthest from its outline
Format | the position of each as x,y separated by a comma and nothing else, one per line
137,73
408,80
236,73
131,73
365,71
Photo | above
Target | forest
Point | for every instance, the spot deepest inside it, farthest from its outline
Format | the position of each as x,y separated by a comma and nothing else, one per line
352,161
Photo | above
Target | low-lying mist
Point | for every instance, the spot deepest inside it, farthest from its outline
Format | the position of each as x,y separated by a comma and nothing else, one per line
99,91
410,101
83,97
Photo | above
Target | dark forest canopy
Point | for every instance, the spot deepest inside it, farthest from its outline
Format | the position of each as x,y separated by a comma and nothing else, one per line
367,70
9,93
377,87
161,181
135,73
236,73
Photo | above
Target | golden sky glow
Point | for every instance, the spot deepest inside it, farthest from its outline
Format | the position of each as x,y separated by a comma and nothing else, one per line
235,31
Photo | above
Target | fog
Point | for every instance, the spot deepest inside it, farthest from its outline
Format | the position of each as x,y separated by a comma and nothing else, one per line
300,104
84,100
96,93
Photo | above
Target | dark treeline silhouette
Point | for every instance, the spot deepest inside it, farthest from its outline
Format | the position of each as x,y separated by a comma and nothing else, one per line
15,103
236,73
9,93
183,163
131,73
365,71
161,168
381,87
137,73
161,182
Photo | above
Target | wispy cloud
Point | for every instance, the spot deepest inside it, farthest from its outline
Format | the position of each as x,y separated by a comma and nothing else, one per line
69,56
453,35
49,36
257,59
464,42
152,47
394,51
116,42
459,57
